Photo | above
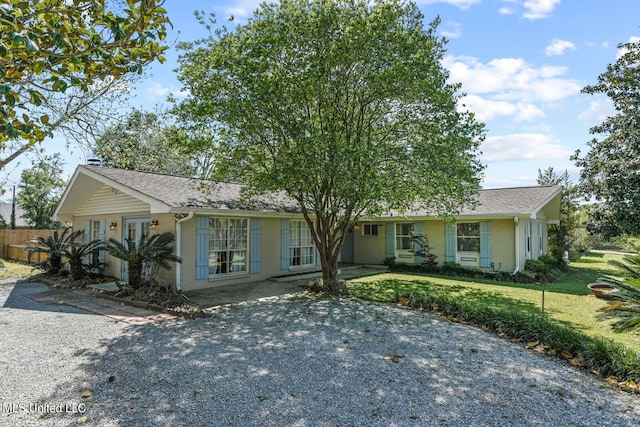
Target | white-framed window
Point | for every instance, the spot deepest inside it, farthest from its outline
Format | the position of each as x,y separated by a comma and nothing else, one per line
404,234
528,243
468,236
301,247
228,246
370,229
540,239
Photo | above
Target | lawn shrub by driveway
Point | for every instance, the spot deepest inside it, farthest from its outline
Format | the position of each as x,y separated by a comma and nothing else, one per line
603,356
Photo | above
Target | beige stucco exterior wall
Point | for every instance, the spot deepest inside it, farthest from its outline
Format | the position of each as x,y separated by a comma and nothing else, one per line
503,244
369,249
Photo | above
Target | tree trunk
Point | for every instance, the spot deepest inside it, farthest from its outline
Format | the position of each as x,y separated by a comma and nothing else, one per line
135,274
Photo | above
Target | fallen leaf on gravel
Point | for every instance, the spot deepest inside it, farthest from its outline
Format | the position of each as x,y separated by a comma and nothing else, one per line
61,301
540,349
403,302
566,354
532,344
87,393
81,420
611,380
395,358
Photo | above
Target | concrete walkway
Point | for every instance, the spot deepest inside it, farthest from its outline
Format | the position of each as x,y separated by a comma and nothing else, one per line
264,290
86,299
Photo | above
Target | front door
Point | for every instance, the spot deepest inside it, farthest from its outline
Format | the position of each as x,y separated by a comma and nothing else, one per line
346,255
133,229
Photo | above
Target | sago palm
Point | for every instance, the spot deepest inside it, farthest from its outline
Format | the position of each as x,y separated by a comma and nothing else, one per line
54,246
155,251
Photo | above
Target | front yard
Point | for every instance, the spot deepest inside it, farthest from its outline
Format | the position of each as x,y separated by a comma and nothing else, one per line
567,302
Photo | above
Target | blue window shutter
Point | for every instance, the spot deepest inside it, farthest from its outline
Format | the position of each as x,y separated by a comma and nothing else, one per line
450,244
254,244
101,235
418,230
285,242
390,240
202,247
485,244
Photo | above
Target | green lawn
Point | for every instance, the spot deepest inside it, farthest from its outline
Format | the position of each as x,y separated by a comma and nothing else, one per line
568,301
16,270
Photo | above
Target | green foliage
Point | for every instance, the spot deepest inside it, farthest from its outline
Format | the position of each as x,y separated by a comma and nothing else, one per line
610,169
606,356
423,250
563,236
54,246
143,142
149,252
327,285
75,254
40,190
52,48
343,105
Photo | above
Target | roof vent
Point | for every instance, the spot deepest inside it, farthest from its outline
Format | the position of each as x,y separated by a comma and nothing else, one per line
94,162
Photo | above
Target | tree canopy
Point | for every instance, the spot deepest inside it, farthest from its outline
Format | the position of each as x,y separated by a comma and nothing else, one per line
611,167
142,141
342,104
562,236
59,56
40,189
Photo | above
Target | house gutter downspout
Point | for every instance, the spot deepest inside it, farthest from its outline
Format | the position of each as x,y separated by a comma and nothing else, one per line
179,249
517,243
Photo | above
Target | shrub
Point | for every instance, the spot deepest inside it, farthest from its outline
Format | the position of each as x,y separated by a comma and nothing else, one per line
327,285
535,266
605,356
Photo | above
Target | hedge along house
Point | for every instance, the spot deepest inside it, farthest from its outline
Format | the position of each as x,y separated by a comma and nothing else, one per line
225,239
506,227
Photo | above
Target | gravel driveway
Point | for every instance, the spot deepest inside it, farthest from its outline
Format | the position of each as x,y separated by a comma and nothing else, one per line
286,363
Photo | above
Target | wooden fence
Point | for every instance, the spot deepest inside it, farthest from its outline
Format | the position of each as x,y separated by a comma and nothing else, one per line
12,241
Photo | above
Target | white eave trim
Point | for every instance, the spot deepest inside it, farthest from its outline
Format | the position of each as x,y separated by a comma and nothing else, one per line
534,214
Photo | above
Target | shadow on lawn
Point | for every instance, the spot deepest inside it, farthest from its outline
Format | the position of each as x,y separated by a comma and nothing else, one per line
302,362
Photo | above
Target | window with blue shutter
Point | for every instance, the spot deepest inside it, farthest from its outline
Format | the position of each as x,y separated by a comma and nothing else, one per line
418,230
450,243
202,247
254,244
389,240
285,239
485,244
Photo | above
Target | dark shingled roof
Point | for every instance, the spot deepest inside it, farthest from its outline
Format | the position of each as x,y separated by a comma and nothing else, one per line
177,192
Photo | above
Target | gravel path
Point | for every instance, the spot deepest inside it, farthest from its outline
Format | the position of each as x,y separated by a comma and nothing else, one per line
288,363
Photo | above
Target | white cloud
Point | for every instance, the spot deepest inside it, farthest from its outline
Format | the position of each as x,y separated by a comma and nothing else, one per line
537,9
558,47
511,79
486,109
156,90
521,146
451,29
598,111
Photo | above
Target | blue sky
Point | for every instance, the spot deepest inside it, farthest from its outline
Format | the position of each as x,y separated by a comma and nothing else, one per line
522,64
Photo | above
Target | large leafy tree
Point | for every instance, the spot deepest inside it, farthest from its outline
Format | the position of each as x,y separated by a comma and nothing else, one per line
41,187
58,57
342,104
562,236
611,167
142,141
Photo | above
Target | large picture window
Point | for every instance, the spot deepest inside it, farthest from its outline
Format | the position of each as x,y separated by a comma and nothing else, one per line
404,233
301,246
227,246
468,236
